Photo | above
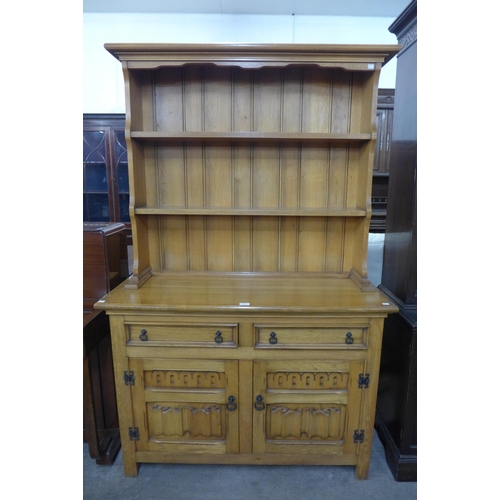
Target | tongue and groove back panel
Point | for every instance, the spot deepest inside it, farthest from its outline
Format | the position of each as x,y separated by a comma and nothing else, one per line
247,170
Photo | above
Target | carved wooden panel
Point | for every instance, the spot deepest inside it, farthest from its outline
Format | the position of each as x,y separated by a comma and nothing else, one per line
186,421
307,380
306,422
303,411
184,379
185,405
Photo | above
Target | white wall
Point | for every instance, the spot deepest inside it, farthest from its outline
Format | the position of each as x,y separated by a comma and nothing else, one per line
102,75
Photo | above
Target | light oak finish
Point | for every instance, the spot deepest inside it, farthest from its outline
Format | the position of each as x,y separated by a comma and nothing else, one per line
249,332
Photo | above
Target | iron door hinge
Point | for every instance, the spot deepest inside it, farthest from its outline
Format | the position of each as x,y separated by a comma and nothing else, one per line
133,433
129,377
359,436
363,380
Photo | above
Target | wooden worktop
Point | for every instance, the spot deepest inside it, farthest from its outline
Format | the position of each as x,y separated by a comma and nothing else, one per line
240,292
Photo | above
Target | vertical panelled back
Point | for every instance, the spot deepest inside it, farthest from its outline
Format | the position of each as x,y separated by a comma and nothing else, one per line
263,205
214,99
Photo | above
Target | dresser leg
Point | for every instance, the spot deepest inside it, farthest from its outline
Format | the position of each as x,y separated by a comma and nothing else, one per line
362,469
130,468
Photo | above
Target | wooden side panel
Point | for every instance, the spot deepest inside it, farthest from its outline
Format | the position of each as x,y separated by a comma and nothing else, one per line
369,397
123,394
139,99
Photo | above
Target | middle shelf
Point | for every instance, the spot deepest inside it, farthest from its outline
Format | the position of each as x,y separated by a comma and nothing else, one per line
260,211
317,179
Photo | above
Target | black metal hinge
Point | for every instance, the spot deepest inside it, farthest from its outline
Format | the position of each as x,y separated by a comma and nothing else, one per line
359,436
129,377
133,433
363,380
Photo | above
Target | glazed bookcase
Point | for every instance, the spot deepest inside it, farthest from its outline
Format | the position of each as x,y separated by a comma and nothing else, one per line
249,327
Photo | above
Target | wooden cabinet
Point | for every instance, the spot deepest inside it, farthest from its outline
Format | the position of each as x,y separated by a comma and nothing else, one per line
397,407
248,331
105,169
103,269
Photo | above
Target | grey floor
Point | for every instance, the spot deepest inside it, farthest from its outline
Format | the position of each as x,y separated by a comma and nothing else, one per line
242,482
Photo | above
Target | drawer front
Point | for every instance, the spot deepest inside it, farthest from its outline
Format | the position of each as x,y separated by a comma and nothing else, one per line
318,337
183,335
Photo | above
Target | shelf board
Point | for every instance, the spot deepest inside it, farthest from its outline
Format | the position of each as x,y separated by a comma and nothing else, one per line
270,212
250,136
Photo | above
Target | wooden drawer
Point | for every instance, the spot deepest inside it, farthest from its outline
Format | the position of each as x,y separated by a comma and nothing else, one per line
317,337
179,335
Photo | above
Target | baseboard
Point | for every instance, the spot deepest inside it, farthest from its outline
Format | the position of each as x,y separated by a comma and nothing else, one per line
403,467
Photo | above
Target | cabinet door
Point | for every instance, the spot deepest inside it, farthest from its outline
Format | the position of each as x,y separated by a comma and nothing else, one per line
96,176
306,407
185,406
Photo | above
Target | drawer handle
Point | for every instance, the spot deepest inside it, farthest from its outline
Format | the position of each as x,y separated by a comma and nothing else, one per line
231,403
272,338
218,337
144,335
259,403
348,338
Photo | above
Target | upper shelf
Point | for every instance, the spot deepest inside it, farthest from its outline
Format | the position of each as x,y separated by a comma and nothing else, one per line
248,55
251,136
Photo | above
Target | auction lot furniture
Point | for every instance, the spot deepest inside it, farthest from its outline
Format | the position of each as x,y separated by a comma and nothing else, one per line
248,332
103,247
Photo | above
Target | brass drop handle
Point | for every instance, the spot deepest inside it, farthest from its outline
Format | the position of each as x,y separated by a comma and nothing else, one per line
272,338
348,338
144,335
259,403
218,337
231,403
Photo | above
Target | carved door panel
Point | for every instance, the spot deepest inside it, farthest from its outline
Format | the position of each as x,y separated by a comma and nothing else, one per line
185,406
306,406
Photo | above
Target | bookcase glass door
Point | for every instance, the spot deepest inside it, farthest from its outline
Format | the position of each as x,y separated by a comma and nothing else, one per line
105,169
95,177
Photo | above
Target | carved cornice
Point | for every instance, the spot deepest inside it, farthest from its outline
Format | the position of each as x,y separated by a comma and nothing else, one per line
405,27
408,38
